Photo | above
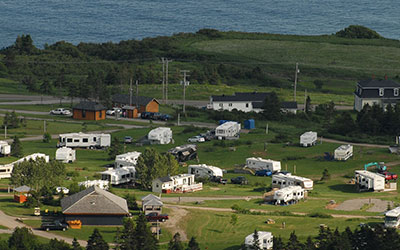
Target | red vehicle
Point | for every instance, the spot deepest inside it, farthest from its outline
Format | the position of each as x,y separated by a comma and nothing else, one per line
156,217
390,176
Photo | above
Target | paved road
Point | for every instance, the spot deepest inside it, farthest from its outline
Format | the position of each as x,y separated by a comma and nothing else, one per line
354,143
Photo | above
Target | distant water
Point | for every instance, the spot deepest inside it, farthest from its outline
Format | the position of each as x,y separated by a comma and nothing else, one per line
49,21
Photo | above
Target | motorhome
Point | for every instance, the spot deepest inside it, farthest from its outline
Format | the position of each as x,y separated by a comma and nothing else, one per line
127,160
262,164
120,175
65,155
288,195
343,152
98,183
5,149
369,181
285,180
265,240
6,169
82,140
228,130
184,152
181,183
205,171
308,139
160,135
392,218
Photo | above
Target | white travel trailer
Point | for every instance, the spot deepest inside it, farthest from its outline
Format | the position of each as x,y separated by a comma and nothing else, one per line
343,152
82,140
228,130
117,176
160,135
392,218
6,170
366,181
308,139
262,164
285,180
127,160
66,155
204,170
288,195
181,183
5,149
98,183
265,240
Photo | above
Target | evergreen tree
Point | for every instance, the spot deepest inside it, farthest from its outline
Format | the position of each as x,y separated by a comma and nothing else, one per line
56,244
16,147
75,243
131,201
325,175
310,245
22,239
256,241
115,149
144,238
278,243
175,243
128,237
293,243
343,124
307,108
46,87
193,245
96,241
272,107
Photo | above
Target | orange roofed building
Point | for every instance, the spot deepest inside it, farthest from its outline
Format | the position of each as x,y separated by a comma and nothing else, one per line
89,111
132,108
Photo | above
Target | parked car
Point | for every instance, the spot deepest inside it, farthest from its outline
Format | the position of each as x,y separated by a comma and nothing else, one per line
156,217
60,111
113,111
239,180
128,139
220,180
263,172
196,138
389,176
165,117
210,135
55,225
146,115
62,189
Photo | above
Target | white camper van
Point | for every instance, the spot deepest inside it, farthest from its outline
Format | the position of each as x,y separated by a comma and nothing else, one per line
82,140
262,164
5,149
160,135
6,170
66,155
343,152
392,218
204,170
366,181
98,183
285,180
117,176
127,160
308,139
265,240
228,130
288,195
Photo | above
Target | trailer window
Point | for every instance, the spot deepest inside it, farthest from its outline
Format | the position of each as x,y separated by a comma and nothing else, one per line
85,140
76,140
69,140
94,138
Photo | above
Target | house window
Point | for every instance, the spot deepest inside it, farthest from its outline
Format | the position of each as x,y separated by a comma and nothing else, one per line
83,113
396,92
221,105
381,92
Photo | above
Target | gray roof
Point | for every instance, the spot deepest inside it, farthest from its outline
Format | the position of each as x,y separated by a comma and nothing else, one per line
374,93
153,202
289,105
124,99
257,105
92,106
242,96
378,83
165,179
150,197
94,200
22,189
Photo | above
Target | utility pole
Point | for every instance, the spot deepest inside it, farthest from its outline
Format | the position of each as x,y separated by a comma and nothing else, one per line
163,78
130,92
137,95
166,80
295,80
184,83
305,101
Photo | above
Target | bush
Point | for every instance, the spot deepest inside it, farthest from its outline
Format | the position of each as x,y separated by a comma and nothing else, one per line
358,31
319,215
46,137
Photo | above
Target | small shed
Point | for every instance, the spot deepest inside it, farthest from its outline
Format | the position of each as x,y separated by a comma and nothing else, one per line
249,124
21,193
89,111
129,111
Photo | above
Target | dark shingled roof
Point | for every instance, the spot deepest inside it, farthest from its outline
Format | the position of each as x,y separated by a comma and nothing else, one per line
378,83
374,93
242,96
92,106
257,105
289,105
124,99
165,179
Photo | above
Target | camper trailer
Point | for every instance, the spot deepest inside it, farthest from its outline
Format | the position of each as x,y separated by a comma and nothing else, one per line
288,195
5,149
265,240
184,152
205,171
181,183
343,152
160,135
368,181
98,183
282,180
117,176
392,218
127,160
262,164
228,130
82,140
6,170
308,139
65,155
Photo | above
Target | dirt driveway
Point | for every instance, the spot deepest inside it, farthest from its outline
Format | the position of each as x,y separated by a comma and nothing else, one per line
377,205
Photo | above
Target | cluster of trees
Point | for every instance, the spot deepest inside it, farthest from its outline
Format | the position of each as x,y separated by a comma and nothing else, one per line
11,120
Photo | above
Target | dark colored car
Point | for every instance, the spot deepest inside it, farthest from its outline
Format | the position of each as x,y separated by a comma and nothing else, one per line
156,217
263,172
219,180
146,115
165,117
55,225
239,180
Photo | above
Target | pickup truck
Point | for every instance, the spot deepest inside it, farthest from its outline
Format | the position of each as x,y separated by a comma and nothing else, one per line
219,180
156,217
60,111
55,225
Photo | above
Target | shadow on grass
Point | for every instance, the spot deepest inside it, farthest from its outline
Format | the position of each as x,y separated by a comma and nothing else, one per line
345,188
236,247
215,230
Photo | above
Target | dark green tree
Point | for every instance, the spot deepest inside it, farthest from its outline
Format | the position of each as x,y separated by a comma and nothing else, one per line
75,244
256,241
193,245
22,239
318,84
325,175
56,244
131,201
293,243
272,107
128,237
308,107
16,147
144,238
343,124
46,87
46,137
115,149
175,243
96,241
278,243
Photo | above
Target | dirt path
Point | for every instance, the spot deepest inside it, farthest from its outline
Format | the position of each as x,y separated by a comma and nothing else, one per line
176,216
354,144
177,200
376,205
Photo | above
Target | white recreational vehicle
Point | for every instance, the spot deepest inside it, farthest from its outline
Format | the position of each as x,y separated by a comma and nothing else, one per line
262,164
6,170
117,176
308,139
343,152
392,218
204,170
288,195
66,155
98,183
127,160
285,180
82,140
160,135
181,183
228,130
366,180
5,149
265,240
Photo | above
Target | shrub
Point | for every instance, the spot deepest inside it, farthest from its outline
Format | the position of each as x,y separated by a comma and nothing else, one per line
319,215
46,137
358,31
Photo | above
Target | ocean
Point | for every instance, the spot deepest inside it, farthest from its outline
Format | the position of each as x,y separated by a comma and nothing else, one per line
75,21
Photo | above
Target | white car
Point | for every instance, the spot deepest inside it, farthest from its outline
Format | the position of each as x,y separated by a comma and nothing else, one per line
196,138
60,111
62,189
112,111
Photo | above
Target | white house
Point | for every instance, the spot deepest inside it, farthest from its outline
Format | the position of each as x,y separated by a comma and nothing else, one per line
265,240
288,195
120,175
289,107
368,181
151,204
5,149
66,155
6,169
82,140
261,164
308,139
285,180
160,135
392,218
203,170
182,183
343,152
228,130
127,159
